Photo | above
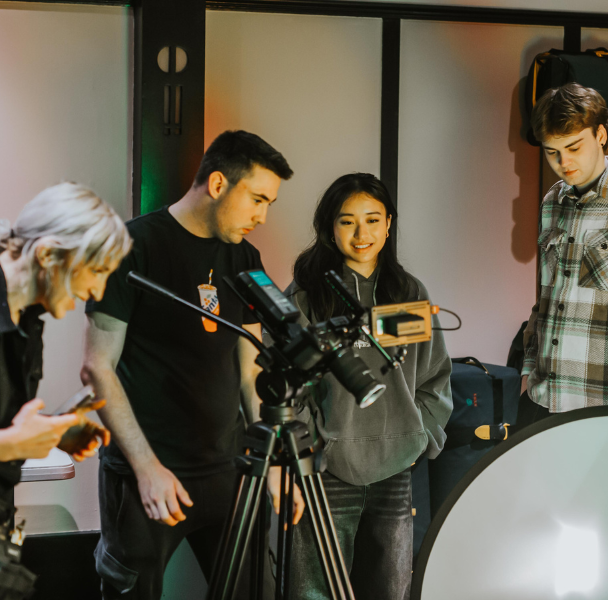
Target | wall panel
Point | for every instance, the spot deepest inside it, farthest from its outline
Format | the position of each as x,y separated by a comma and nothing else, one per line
64,115
594,38
580,5
468,182
308,85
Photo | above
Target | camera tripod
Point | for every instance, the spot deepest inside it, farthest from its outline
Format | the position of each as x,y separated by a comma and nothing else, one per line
280,440
277,440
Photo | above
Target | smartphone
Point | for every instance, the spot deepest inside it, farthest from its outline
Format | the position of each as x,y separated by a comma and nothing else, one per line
82,399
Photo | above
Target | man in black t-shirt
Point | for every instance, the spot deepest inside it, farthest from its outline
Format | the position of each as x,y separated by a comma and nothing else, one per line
173,380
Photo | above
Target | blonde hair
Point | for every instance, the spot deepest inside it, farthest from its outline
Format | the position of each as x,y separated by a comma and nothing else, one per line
73,222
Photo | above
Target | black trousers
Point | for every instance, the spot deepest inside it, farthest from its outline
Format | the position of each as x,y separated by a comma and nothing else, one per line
134,550
528,412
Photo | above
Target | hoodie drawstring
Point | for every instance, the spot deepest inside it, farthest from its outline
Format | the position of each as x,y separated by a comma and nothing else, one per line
357,286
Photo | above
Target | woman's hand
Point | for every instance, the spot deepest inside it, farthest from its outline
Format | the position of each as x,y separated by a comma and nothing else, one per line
83,439
31,434
274,487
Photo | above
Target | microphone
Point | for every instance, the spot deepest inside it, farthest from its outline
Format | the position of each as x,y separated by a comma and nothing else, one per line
143,283
147,285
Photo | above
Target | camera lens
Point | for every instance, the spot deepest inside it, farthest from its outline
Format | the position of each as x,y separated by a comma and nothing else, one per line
350,370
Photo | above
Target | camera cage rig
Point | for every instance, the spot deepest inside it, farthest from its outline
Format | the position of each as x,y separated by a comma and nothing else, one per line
301,355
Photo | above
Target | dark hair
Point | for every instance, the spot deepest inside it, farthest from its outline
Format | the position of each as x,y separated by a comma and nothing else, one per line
235,153
568,109
394,283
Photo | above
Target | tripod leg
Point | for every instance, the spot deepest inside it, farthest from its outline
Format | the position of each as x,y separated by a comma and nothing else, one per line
333,535
259,550
288,535
285,510
285,533
323,543
220,560
232,553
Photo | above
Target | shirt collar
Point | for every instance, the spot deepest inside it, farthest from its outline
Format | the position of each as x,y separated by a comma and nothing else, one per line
600,189
6,323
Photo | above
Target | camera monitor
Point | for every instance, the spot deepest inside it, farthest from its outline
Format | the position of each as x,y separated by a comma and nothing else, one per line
402,324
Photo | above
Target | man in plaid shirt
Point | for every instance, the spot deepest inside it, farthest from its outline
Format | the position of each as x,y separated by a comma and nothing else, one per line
566,360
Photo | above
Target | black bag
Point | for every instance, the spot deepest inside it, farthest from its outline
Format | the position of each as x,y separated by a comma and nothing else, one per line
485,403
557,67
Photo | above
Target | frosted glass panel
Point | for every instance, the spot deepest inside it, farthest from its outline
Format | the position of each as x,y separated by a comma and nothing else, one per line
308,85
594,38
64,115
468,182
548,5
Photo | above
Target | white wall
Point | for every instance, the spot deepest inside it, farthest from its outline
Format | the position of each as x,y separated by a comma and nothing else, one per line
468,182
308,85
64,115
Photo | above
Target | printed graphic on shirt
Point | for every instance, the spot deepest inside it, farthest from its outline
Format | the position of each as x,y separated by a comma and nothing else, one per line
210,302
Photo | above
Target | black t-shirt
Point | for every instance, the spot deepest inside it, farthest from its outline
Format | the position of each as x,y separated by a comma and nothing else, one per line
182,380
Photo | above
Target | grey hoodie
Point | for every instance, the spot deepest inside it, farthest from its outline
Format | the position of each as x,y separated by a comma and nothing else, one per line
366,445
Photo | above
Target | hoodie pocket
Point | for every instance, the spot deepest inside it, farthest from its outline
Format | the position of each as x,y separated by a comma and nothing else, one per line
365,460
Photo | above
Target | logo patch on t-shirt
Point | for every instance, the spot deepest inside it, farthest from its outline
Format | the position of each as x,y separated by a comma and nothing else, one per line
210,302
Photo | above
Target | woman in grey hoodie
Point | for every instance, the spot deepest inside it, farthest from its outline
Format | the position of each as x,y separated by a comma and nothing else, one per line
369,451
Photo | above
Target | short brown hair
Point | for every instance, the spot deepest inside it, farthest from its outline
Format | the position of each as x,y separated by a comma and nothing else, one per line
568,109
235,153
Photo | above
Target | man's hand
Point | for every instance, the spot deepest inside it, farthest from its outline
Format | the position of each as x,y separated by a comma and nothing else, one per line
33,435
82,440
161,492
524,384
274,487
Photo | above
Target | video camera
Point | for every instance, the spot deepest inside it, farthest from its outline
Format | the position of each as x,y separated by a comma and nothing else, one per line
301,355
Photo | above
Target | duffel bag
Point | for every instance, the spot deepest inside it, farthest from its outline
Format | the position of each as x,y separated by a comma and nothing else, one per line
485,404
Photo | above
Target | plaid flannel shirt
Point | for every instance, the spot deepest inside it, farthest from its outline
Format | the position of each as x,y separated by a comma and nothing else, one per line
567,350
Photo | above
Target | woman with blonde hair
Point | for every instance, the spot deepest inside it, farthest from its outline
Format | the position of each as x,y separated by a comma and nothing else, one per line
63,245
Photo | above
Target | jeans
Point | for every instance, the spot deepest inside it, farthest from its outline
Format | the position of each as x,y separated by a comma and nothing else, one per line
134,550
375,530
